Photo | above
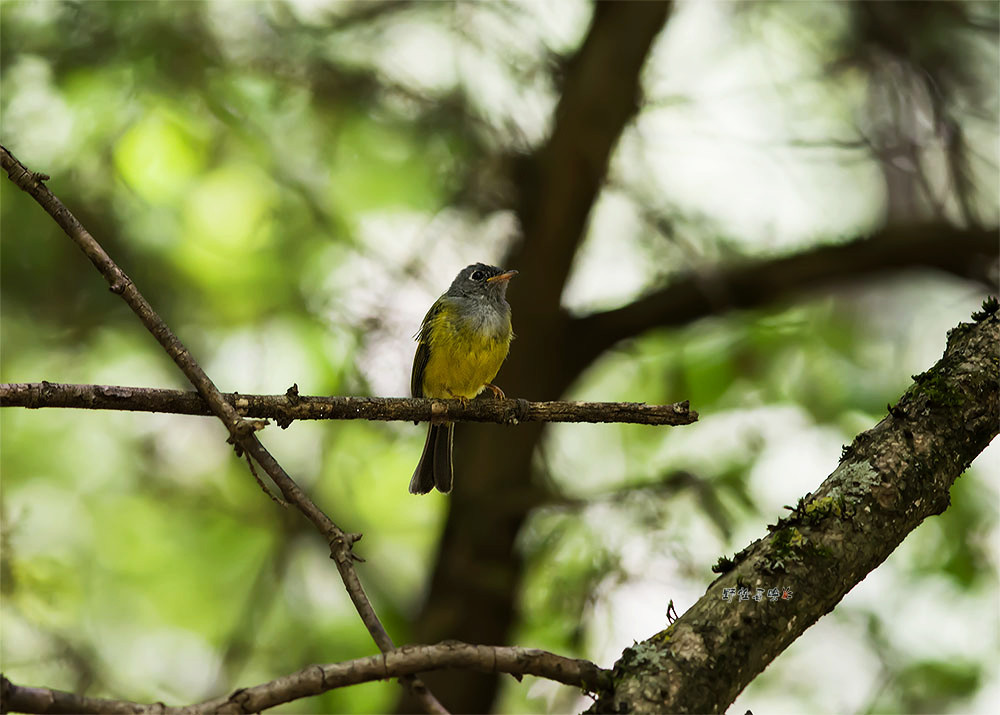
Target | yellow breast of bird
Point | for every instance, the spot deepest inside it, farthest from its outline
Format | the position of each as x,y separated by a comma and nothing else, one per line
464,356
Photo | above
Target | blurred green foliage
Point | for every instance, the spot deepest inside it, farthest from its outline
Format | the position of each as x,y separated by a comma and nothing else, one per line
289,200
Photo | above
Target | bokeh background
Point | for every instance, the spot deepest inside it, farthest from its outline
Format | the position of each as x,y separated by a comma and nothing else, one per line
291,184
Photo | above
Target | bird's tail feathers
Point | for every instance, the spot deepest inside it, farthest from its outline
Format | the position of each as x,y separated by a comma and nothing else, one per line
434,468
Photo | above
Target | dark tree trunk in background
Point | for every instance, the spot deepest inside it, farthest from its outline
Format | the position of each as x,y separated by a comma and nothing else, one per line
474,588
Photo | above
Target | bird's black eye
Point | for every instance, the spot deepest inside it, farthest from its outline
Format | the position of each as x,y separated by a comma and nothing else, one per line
477,275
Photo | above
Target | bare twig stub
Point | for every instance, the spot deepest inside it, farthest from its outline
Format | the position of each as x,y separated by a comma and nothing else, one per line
285,409
241,433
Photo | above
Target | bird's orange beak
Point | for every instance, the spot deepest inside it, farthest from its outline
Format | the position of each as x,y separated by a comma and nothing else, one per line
505,276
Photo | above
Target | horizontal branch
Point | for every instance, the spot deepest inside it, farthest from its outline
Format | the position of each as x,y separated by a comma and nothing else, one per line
284,409
318,679
965,252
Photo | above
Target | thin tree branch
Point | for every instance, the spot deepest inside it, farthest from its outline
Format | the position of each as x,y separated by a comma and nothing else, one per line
242,433
22,699
966,252
890,479
318,679
290,406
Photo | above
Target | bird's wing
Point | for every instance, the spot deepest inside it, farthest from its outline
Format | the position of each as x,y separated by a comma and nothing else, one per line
423,351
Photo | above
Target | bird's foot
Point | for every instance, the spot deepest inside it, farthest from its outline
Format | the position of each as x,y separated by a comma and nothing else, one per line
497,392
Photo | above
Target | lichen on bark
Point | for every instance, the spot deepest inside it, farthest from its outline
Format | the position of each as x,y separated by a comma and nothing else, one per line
890,479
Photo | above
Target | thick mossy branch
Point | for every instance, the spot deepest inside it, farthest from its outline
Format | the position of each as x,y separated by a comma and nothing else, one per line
891,478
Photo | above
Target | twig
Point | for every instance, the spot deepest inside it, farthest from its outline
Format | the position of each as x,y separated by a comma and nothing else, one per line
288,407
260,482
318,679
241,432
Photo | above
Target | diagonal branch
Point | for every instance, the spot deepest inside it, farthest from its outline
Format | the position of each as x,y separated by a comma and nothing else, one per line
966,252
241,432
890,479
318,679
289,407
600,94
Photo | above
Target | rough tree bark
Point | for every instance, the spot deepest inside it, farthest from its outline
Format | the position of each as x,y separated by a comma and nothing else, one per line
890,479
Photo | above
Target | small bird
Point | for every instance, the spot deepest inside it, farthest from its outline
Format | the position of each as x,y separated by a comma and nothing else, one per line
462,342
